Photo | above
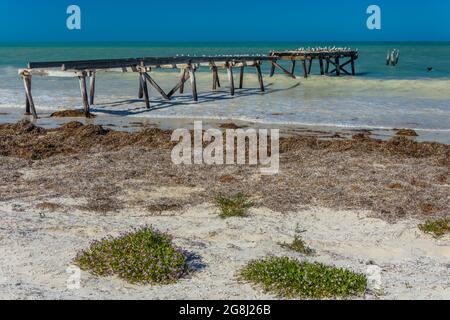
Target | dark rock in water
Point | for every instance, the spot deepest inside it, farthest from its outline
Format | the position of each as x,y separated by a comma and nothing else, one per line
430,69
406,133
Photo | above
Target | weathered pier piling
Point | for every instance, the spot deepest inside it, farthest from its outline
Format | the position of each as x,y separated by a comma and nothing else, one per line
187,67
393,57
327,55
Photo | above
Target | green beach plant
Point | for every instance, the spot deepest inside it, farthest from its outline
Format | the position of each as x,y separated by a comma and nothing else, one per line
437,228
234,206
290,278
297,245
142,256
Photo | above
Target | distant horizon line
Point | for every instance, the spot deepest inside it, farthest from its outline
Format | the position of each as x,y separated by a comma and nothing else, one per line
224,41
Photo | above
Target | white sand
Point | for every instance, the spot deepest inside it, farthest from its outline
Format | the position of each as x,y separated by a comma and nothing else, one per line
35,251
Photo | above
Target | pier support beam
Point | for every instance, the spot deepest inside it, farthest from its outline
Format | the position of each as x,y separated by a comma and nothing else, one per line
184,77
294,62
260,76
305,71
29,98
241,77
353,66
155,85
193,83
92,88
84,94
144,89
216,81
310,66
183,80
230,78
27,102
321,66
338,67
141,88
276,64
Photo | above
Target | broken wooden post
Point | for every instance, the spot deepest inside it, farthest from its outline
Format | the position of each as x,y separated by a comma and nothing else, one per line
92,87
29,97
144,90
83,88
193,83
338,66
27,103
230,77
241,78
272,70
260,77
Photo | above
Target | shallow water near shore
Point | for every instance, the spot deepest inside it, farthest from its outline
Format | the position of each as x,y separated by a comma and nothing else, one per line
378,98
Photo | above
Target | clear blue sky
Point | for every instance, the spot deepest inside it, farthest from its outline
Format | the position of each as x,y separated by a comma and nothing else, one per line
225,20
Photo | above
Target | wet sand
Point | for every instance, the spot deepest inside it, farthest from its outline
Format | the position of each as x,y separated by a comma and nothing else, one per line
134,123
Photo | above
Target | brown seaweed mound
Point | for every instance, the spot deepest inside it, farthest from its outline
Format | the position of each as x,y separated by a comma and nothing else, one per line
393,179
25,140
406,133
71,113
397,146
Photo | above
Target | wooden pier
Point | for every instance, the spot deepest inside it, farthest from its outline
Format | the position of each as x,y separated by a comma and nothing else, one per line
187,66
325,56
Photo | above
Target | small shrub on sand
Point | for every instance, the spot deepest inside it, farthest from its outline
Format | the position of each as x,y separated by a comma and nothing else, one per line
289,278
143,256
438,228
234,206
297,245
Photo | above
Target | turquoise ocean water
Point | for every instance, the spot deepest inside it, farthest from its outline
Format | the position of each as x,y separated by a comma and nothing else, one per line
407,96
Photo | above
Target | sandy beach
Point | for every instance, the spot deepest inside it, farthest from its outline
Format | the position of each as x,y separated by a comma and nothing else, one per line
358,199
